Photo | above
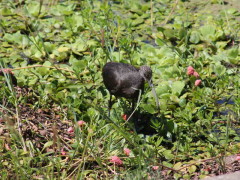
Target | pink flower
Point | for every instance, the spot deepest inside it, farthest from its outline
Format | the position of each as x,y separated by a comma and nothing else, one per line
190,70
196,74
155,168
198,82
127,151
238,158
63,152
70,130
81,123
7,70
124,116
116,160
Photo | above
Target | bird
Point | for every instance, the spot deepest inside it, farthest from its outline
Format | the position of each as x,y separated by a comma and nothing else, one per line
125,80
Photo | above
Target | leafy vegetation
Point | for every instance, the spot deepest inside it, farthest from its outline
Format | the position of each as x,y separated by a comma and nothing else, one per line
54,123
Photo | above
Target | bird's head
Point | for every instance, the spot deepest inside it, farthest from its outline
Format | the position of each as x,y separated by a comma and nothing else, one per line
146,73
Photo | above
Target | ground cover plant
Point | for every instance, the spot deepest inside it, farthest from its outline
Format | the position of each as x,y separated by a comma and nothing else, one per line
53,110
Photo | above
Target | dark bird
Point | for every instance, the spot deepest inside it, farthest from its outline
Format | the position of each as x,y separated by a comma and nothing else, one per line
125,80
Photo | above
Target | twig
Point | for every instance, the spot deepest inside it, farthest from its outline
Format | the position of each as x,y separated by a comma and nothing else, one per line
174,7
199,161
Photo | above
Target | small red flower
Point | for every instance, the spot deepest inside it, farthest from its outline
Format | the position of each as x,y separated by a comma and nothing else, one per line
190,70
196,74
124,116
116,160
63,152
198,82
127,151
155,168
81,123
238,158
7,70
70,130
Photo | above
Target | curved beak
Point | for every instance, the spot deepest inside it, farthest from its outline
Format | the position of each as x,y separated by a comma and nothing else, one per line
154,94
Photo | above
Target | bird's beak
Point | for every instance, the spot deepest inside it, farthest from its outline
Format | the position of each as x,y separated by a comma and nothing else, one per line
154,94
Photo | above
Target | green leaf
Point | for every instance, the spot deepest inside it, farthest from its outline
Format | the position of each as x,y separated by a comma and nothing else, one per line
47,144
63,9
149,108
182,102
174,98
159,42
192,169
14,38
195,37
49,47
168,154
6,11
163,88
137,22
177,165
165,163
170,33
177,87
91,112
33,8
43,70
233,56
219,69
160,29
208,32
232,11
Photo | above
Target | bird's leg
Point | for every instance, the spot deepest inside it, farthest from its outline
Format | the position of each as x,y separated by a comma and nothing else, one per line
109,105
135,115
133,104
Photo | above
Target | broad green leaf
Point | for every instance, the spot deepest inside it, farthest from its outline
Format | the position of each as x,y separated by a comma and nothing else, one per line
208,32
174,98
6,11
177,87
149,108
63,49
192,169
195,37
168,154
219,69
234,56
177,165
170,33
33,8
161,29
92,112
137,22
43,70
165,163
233,11
63,9
49,47
162,89
233,53
15,38
182,102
